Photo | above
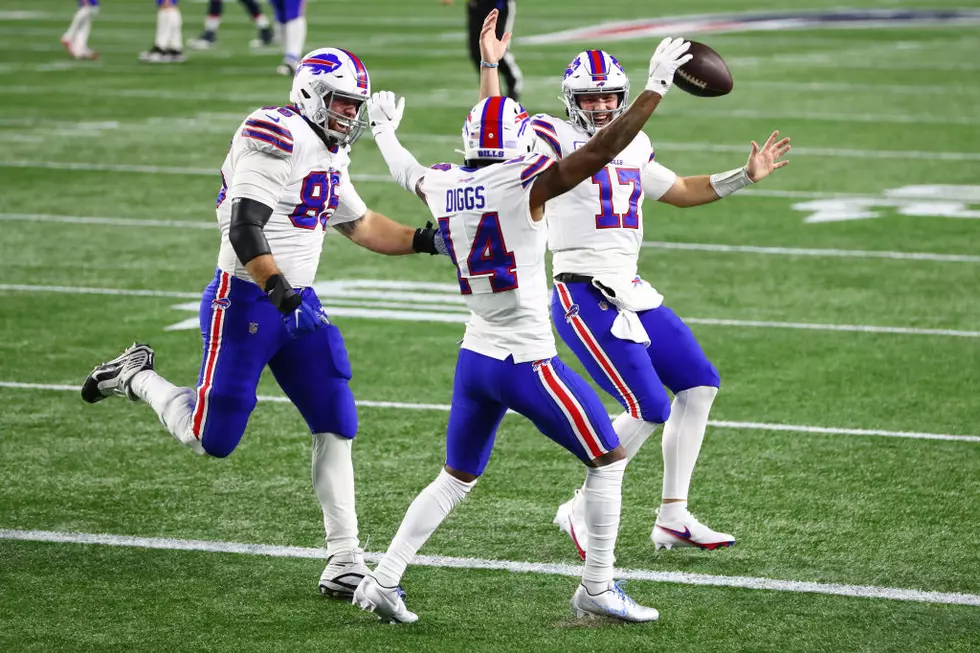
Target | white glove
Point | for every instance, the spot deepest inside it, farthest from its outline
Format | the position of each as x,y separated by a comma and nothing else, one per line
385,112
668,57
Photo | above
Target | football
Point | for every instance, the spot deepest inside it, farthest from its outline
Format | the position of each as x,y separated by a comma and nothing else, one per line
706,75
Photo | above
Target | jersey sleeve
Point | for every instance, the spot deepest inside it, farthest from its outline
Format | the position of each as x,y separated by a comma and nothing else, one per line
262,153
657,179
533,165
350,206
546,139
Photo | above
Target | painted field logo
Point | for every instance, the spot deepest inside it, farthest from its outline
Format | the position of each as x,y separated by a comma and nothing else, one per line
411,301
758,22
928,201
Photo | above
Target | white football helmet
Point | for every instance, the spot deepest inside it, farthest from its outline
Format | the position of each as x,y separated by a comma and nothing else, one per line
496,129
323,75
593,71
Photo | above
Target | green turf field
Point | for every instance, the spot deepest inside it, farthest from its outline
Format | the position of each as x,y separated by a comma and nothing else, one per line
849,348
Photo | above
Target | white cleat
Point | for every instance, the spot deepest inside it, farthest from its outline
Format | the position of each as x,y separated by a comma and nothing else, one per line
571,519
614,602
114,377
688,532
386,602
343,574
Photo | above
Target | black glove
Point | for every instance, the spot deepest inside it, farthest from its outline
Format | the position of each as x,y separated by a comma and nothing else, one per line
428,240
281,294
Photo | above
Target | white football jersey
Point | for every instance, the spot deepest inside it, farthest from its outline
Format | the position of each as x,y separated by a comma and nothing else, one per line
485,217
277,159
597,227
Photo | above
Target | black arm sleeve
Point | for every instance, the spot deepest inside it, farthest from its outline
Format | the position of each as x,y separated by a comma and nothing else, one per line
248,218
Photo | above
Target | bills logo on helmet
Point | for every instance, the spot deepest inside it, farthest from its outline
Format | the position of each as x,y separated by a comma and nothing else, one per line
322,63
572,67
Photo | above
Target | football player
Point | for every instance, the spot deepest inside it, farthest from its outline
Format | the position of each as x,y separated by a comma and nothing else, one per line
168,44
615,322
212,22
291,16
284,181
491,216
75,39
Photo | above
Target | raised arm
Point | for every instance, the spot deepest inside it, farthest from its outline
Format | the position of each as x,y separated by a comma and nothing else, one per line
702,189
602,148
492,50
385,113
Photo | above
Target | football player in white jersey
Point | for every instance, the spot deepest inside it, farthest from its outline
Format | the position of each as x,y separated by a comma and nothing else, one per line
604,311
284,181
491,216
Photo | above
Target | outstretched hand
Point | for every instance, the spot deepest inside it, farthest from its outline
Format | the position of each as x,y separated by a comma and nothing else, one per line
762,162
492,49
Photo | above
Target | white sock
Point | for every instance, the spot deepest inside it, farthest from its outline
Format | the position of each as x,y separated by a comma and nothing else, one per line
683,435
80,42
294,37
163,29
632,433
673,513
76,20
430,508
175,36
333,482
173,405
212,23
603,499
261,21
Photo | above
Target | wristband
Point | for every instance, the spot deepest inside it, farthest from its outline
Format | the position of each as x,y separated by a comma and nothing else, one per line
726,183
424,240
281,294
487,64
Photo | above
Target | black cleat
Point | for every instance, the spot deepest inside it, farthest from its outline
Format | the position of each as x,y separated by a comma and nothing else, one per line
114,377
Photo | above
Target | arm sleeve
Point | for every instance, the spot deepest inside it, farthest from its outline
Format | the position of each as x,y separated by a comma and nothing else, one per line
657,179
401,163
350,206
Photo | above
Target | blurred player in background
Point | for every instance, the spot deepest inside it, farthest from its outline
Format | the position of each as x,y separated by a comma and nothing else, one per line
212,22
75,39
291,15
491,216
612,319
476,15
168,45
284,181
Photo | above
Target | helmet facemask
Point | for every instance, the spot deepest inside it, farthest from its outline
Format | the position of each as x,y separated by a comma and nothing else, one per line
325,114
585,118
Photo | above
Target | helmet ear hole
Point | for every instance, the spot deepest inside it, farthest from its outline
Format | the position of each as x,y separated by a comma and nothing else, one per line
305,94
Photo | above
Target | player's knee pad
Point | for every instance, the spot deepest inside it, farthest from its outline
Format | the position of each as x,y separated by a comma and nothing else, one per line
655,409
700,397
338,415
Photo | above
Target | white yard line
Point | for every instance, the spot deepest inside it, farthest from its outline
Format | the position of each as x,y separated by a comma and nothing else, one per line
553,569
719,424
653,244
115,222
800,251
363,178
763,324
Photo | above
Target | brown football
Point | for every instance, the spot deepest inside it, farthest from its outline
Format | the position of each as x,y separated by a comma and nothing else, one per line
706,75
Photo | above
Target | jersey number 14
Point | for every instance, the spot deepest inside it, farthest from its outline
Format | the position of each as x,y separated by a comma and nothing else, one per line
488,255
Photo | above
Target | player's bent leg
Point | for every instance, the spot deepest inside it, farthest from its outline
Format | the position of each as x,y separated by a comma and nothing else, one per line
239,330
584,319
473,420
314,371
686,370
